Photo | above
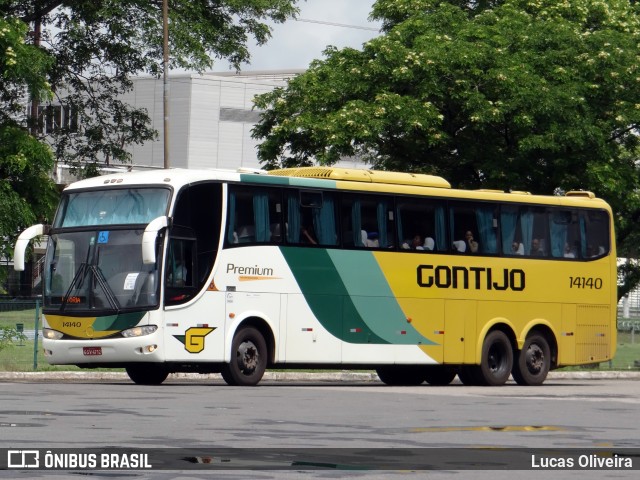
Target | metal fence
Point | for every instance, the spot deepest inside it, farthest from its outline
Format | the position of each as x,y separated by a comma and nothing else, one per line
20,320
25,354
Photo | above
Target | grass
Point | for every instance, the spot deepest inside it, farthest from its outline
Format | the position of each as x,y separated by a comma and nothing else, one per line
26,317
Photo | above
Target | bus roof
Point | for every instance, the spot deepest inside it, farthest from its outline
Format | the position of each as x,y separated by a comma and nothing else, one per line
334,178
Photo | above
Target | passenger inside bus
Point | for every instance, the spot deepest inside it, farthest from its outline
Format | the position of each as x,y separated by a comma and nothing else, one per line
568,252
307,236
459,246
413,244
472,245
536,248
429,244
517,248
371,239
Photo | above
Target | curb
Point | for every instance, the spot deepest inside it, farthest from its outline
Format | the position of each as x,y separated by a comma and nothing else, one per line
285,376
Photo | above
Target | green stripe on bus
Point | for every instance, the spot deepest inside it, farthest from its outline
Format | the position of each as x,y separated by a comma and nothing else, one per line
373,299
291,181
327,295
117,322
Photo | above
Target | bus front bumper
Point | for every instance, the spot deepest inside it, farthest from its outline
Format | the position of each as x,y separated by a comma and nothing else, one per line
114,350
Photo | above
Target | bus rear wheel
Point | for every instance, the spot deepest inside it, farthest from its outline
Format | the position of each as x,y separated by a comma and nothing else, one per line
439,375
248,358
147,373
496,362
534,361
401,375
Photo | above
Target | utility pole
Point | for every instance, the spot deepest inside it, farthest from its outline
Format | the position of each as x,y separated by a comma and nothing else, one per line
35,104
165,95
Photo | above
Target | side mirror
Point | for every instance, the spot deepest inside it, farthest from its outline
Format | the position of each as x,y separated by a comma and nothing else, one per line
22,243
149,239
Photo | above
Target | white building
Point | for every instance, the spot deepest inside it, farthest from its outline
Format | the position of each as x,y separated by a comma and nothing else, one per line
210,118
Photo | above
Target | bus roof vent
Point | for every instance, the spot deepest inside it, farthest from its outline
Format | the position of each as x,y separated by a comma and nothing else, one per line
580,193
367,176
493,190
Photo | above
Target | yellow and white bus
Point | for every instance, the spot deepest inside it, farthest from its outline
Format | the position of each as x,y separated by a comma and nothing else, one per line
231,272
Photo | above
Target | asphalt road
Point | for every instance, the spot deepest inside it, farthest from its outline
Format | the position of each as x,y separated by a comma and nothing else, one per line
329,411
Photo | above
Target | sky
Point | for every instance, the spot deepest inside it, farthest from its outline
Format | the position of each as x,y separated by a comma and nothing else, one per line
294,44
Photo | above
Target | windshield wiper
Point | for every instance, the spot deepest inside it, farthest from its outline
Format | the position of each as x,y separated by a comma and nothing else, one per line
78,277
108,292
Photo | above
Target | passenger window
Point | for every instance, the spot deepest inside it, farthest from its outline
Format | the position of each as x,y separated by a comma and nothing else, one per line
564,234
421,225
595,228
473,228
254,216
310,218
367,221
524,230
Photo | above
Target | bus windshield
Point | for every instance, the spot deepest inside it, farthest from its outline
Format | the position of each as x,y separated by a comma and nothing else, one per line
123,206
98,271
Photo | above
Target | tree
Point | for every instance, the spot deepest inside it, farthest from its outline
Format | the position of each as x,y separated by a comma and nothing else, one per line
99,45
540,96
27,192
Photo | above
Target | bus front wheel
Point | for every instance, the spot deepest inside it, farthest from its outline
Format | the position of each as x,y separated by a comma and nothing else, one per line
248,358
533,362
497,359
147,373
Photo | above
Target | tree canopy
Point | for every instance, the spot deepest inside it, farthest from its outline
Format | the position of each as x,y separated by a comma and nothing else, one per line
99,45
514,94
27,192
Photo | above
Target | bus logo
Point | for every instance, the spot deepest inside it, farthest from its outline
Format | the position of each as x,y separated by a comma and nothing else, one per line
193,338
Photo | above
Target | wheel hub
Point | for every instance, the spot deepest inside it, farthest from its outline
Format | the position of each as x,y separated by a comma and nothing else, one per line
247,356
535,358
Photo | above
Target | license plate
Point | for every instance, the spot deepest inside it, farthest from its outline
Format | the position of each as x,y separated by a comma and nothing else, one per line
91,351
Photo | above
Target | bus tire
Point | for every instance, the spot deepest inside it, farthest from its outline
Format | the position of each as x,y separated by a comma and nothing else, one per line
439,375
533,362
401,375
147,373
496,362
470,375
248,358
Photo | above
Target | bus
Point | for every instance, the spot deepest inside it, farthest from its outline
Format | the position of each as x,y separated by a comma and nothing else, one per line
234,272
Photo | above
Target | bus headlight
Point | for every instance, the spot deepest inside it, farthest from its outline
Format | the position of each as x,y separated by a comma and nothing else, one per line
51,334
139,331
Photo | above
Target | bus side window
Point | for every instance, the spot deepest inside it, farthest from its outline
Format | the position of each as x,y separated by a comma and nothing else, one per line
310,217
180,263
193,239
594,228
254,215
421,225
367,221
524,230
476,224
564,233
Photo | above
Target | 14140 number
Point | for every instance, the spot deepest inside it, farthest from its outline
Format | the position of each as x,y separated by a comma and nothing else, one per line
585,282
